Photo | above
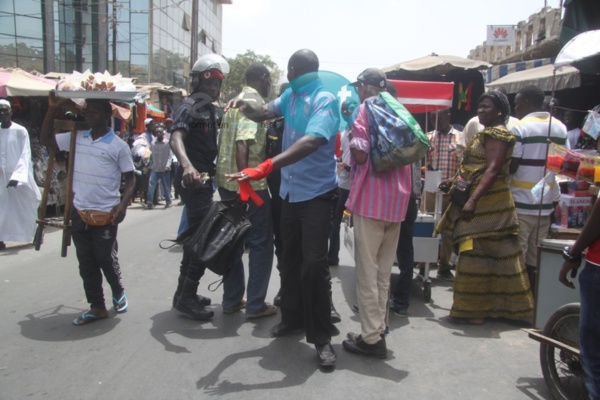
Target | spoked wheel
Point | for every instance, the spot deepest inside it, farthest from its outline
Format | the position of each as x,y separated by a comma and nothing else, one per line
561,369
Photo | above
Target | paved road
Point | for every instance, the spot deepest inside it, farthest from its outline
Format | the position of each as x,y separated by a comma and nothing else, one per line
151,353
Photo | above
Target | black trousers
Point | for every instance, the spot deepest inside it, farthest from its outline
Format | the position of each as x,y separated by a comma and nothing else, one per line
305,228
276,202
197,202
96,248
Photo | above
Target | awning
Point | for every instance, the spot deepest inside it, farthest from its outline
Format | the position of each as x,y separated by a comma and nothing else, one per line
499,71
121,112
437,64
420,97
16,82
154,112
566,78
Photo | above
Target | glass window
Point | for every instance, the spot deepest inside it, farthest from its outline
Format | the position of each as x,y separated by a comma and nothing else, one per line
30,48
7,24
139,4
139,44
139,23
122,14
8,61
7,7
7,45
28,7
29,27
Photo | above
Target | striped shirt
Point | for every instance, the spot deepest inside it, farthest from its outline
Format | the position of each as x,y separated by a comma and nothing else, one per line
236,127
531,148
378,195
442,155
98,167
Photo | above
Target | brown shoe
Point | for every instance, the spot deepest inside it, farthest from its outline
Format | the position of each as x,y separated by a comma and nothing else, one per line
233,309
267,311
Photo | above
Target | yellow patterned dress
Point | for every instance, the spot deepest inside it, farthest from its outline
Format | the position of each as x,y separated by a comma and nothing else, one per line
491,279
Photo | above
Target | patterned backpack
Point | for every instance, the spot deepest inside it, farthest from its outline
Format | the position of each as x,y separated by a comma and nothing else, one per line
396,137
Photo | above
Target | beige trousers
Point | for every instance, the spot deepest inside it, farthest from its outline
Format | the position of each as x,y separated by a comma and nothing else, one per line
375,244
527,232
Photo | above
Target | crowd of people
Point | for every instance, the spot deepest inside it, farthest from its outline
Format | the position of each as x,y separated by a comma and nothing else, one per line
491,226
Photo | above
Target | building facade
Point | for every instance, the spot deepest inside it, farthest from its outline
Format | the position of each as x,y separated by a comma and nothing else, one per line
151,40
536,38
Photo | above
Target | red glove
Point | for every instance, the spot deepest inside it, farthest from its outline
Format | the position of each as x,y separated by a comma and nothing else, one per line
259,172
246,191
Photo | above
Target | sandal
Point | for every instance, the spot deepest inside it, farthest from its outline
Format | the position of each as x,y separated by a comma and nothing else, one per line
121,304
92,315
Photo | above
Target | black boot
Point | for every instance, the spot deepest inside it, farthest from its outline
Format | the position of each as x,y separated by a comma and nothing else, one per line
188,304
202,300
335,316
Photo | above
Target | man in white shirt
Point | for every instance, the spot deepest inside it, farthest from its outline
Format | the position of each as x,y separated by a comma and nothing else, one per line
527,169
19,194
101,159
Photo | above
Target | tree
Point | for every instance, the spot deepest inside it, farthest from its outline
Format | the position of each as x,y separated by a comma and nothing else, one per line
234,81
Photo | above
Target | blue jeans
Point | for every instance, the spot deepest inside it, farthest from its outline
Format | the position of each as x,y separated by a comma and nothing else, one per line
406,257
334,236
260,258
165,179
589,328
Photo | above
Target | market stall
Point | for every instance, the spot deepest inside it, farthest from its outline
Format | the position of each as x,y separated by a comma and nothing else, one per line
556,309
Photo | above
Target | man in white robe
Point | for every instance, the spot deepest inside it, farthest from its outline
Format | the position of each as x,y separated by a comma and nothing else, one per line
19,194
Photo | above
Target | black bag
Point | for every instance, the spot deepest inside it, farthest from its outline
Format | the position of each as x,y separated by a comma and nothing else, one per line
460,191
212,242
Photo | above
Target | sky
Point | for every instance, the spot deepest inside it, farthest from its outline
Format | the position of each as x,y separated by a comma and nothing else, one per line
351,35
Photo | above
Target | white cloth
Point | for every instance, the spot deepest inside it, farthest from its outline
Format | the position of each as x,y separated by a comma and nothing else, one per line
344,178
19,204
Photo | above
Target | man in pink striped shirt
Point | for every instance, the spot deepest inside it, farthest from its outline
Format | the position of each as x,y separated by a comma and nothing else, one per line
378,202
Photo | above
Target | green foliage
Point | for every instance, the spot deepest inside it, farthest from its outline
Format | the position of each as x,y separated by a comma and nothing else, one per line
234,81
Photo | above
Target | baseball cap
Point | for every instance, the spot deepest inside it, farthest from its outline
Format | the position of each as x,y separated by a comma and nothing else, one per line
147,121
372,76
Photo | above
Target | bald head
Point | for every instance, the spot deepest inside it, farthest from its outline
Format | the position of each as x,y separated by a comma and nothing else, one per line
301,62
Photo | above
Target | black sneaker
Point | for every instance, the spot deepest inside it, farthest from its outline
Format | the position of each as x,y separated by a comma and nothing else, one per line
446,275
401,312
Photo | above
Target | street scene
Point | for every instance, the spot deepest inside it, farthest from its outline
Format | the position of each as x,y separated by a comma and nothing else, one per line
151,352
314,200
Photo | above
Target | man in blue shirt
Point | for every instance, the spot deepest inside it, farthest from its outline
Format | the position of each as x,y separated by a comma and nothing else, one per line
308,190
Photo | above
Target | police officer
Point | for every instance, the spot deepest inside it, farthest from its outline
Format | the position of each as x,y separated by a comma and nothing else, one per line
194,142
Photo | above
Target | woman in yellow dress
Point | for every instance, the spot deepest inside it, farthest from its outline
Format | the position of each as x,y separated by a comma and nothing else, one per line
491,279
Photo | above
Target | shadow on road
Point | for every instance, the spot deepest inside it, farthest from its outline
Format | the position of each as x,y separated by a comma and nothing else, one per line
295,360
55,325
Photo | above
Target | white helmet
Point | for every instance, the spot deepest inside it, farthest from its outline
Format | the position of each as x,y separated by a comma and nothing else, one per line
208,62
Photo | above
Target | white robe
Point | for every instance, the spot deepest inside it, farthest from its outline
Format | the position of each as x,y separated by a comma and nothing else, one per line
18,205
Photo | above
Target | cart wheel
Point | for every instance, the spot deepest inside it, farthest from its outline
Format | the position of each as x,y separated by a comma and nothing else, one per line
427,291
561,369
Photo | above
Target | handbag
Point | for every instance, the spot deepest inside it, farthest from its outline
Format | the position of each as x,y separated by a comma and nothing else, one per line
396,137
211,243
460,191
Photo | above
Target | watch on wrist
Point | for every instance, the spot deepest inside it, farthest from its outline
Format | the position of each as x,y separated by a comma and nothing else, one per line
568,257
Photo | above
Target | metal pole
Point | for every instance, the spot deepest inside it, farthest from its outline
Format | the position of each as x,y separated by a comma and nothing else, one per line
114,36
